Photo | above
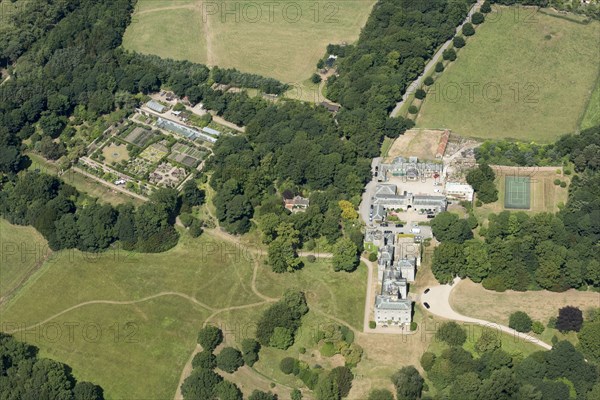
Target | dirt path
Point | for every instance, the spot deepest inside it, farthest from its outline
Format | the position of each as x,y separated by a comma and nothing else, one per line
187,370
369,297
114,302
438,299
209,37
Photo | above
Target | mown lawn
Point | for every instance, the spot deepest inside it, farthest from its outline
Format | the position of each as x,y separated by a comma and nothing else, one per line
531,76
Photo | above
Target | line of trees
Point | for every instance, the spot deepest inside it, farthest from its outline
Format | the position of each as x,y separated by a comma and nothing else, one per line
58,211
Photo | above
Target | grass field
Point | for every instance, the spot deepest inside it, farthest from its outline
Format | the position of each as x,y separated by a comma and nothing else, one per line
197,270
531,76
283,40
544,194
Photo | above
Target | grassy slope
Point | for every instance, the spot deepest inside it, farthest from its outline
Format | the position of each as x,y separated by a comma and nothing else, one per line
514,52
22,250
212,272
336,293
271,47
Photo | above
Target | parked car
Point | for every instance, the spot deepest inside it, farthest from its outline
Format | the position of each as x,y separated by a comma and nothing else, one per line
399,226
384,224
430,216
426,305
426,290
436,190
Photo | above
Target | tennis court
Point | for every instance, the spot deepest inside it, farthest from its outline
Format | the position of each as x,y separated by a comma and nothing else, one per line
517,192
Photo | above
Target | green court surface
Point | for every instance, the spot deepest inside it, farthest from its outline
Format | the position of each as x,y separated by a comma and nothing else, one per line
517,194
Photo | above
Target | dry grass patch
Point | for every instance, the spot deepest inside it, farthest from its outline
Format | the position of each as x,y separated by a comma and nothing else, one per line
473,300
422,143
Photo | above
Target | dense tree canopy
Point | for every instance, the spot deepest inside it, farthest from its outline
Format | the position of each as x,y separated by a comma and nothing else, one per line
25,376
210,337
286,315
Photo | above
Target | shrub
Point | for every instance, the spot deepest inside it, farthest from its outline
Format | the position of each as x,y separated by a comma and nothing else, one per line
486,7
229,359
589,340
373,257
551,323
250,349
569,319
468,29
328,350
439,67
296,394
287,365
520,322
488,341
311,258
557,181
260,395
428,81
380,394
427,360
449,54
302,350
210,337
478,203
315,78
420,94
567,172
204,359
537,327
343,378
347,334
494,283
563,184
186,219
413,326
372,324
477,18
413,110
451,333
458,42
196,228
